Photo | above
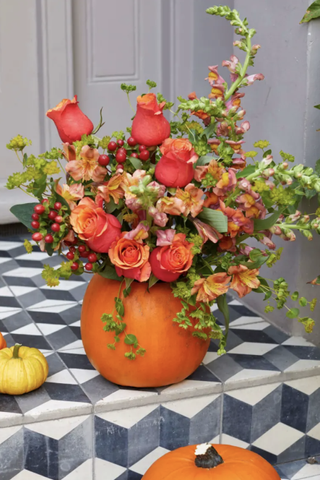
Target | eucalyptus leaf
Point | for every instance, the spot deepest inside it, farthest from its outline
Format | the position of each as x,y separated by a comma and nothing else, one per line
23,213
110,206
215,219
312,12
293,313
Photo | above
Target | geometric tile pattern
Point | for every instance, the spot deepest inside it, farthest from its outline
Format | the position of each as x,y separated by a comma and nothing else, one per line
259,396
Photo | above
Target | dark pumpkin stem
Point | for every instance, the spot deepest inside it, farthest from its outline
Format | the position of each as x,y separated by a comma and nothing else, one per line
16,350
210,459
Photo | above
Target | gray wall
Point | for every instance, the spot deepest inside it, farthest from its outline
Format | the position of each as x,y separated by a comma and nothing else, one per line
280,109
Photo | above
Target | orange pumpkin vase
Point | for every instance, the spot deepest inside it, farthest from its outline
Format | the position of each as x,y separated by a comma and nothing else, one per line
216,462
172,353
3,343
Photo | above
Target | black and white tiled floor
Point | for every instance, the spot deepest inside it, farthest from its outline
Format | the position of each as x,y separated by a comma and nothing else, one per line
263,395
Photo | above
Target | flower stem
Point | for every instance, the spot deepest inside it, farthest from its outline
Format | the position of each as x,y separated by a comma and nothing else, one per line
236,84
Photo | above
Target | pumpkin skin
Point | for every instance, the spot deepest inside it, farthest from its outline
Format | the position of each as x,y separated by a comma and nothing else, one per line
172,353
3,343
22,369
239,464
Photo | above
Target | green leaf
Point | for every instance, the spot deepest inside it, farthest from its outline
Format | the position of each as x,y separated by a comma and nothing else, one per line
100,124
119,306
128,281
209,130
152,280
246,171
110,206
312,12
266,223
317,106
257,264
317,167
215,219
224,309
110,273
255,254
131,339
263,283
136,163
303,302
41,185
293,313
23,213
203,161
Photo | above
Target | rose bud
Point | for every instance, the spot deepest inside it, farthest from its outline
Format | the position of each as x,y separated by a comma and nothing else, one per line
149,126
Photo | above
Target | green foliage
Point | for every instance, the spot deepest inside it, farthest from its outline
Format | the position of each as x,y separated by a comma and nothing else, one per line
215,219
312,12
127,88
23,213
286,157
18,143
261,144
151,84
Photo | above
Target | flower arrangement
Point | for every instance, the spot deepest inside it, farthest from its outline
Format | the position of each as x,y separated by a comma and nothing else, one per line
173,202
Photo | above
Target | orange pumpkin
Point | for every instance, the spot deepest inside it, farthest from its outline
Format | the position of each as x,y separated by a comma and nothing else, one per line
219,462
172,353
3,343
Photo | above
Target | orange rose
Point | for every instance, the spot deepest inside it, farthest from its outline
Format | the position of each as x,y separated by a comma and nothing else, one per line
70,121
170,261
149,126
175,168
130,258
92,224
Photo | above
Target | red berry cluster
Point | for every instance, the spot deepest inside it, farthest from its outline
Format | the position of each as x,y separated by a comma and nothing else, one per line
121,153
53,215
84,253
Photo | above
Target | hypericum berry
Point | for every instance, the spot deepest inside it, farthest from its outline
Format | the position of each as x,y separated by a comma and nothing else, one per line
39,209
134,154
37,236
92,258
120,142
35,224
121,155
55,227
85,254
88,266
112,146
144,155
72,249
70,256
58,219
103,160
52,215
44,200
119,168
35,216
142,147
132,142
48,238
57,205
82,248
74,266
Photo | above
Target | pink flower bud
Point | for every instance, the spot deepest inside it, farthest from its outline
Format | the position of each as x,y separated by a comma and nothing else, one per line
285,165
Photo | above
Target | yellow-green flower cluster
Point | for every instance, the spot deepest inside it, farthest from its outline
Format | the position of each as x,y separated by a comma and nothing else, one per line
18,143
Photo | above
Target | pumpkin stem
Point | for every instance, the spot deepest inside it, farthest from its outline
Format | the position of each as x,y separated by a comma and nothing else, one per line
16,350
207,456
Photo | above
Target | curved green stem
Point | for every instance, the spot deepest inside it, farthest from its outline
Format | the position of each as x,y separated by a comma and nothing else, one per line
244,69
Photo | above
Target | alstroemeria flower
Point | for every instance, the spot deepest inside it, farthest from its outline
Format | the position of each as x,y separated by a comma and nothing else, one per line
236,221
131,258
112,188
227,244
69,152
165,237
87,167
71,193
212,200
139,234
243,279
171,205
192,199
206,232
213,76
226,184
212,287
159,218
129,180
